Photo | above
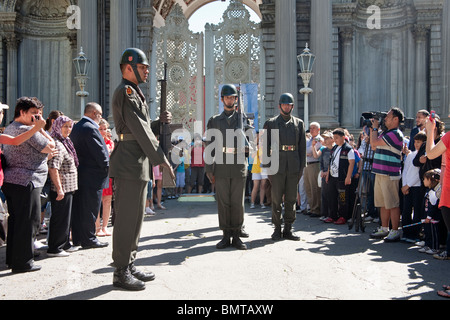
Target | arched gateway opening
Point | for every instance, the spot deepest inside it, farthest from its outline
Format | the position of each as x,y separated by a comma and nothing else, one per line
227,50
163,8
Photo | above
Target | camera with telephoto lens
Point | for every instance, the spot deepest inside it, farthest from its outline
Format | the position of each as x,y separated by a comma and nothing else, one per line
367,116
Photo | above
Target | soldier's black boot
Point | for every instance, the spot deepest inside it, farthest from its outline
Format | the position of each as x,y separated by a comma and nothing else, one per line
225,242
288,234
276,236
124,279
140,275
237,242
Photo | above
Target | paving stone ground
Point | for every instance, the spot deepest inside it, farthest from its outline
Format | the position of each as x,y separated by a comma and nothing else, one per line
330,262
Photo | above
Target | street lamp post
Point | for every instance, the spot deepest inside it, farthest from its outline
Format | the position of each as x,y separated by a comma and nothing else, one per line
306,61
82,68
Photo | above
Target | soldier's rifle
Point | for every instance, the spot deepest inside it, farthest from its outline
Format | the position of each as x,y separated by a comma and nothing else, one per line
165,136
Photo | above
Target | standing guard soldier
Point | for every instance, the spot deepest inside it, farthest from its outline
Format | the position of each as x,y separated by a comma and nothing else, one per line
131,161
292,161
228,169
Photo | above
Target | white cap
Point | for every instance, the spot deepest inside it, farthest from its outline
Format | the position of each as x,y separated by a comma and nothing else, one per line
3,106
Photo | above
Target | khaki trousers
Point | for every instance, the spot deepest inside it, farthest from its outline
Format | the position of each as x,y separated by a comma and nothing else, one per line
284,184
313,192
230,202
129,206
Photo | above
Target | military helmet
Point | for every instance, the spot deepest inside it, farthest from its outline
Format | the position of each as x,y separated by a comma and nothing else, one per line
229,90
134,56
287,98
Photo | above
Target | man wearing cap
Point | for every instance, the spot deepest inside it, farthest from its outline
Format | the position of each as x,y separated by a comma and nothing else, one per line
292,161
131,161
228,168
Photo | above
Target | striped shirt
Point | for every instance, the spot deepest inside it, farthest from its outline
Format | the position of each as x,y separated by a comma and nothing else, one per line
387,159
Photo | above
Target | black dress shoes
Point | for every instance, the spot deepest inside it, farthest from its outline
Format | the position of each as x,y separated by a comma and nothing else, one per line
96,244
124,279
140,275
33,268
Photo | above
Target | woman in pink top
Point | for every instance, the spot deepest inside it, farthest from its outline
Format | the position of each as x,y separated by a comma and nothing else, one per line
434,151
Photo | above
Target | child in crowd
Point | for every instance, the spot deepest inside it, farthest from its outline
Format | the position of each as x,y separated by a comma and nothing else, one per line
157,193
342,162
411,190
431,180
258,177
181,174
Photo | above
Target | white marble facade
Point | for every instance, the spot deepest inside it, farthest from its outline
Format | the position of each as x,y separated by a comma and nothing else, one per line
363,63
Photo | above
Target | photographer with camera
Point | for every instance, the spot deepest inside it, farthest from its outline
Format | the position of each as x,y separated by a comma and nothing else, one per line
387,168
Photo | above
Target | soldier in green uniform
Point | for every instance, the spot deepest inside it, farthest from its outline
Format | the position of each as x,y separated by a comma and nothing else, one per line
228,169
291,160
130,167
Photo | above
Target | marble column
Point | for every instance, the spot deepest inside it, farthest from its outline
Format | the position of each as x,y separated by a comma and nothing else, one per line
12,43
87,38
322,106
420,33
74,102
2,72
348,106
445,92
286,65
123,36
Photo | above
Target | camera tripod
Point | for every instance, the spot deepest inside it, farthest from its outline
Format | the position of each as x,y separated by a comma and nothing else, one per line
360,205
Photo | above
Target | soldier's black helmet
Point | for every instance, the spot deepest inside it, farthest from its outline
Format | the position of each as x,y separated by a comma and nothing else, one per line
134,56
287,98
229,90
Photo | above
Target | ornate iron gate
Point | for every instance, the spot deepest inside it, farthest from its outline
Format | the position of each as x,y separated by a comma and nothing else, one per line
233,55
182,50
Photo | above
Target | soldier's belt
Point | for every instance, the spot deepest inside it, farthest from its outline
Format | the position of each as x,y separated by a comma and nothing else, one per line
126,137
287,148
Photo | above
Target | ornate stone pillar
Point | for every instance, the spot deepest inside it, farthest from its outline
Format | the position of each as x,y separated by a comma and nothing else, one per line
286,75
322,107
348,107
420,33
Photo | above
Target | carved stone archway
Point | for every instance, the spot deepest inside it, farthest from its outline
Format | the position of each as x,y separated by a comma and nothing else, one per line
163,8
